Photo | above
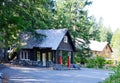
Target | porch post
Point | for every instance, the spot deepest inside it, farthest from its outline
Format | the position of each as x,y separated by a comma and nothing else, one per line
60,57
68,63
55,56
35,55
46,56
47,59
41,56
72,57
51,54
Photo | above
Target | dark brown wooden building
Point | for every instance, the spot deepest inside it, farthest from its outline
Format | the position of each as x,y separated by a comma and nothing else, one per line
48,47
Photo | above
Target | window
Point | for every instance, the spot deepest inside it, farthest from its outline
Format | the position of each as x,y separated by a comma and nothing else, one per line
65,39
24,55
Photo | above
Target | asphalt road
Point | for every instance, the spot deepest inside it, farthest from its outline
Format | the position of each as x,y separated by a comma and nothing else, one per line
42,75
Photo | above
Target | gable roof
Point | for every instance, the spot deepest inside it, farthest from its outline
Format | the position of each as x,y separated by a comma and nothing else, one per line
52,39
94,45
97,46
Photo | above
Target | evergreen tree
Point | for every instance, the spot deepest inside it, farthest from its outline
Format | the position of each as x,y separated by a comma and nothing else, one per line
115,43
94,30
71,14
17,16
21,15
101,33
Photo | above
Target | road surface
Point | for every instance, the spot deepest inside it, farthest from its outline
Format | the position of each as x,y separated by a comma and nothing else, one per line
43,75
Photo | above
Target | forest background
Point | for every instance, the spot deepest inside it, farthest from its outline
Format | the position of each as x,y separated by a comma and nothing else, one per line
18,16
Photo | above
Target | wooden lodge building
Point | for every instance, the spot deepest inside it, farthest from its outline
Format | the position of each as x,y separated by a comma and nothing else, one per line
101,48
47,46
98,48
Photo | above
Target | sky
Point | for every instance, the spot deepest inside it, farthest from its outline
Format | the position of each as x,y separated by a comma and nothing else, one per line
109,10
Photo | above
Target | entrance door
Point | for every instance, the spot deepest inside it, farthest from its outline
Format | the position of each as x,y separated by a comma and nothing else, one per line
44,59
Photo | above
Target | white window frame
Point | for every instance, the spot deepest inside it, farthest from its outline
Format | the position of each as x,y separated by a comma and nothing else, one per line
65,39
24,55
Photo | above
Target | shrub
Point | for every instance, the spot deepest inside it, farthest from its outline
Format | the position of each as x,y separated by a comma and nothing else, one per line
96,62
114,77
100,61
90,63
110,62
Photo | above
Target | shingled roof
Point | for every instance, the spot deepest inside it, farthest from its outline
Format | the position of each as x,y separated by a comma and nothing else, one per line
52,39
94,45
97,46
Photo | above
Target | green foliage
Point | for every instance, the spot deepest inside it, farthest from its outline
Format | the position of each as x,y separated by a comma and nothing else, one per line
70,14
27,15
115,43
115,39
100,61
94,30
114,77
80,59
21,15
103,32
17,16
109,34
99,32
64,57
110,62
96,62
77,58
90,63
83,52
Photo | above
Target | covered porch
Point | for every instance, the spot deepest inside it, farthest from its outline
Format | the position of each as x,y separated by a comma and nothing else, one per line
45,57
